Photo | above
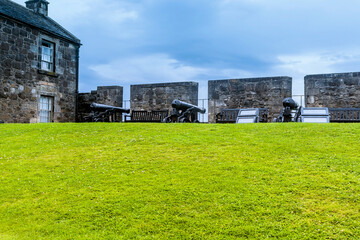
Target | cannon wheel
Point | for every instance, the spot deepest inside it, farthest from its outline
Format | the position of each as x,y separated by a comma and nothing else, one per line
184,120
166,120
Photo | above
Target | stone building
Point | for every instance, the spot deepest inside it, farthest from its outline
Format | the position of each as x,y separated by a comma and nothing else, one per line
109,95
39,62
336,90
160,96
266,92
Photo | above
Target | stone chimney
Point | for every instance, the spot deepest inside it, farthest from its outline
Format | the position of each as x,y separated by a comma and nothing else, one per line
38,6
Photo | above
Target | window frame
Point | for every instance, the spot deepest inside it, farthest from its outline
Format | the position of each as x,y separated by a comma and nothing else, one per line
42,56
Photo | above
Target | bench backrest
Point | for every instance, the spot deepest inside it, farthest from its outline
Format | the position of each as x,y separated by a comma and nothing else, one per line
145,116
344,114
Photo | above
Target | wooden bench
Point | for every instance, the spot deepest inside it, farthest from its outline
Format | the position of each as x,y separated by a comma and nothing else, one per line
344,115
230,115
146,116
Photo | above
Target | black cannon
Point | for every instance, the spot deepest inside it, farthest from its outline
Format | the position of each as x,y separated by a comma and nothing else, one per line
289,106
183,112
105,113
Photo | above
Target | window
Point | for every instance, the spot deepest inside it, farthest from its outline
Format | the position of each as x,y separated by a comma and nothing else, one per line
47,56
46,109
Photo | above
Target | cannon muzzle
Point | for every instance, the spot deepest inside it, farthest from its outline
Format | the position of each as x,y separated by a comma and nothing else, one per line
289,102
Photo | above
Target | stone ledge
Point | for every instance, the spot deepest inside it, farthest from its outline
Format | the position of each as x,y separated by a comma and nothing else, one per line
333,75
51,74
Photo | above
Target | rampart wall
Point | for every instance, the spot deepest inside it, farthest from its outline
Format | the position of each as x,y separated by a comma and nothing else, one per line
248,93
109,95
336,90
160,96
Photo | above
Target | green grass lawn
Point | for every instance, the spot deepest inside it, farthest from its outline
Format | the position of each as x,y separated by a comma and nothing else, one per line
179,181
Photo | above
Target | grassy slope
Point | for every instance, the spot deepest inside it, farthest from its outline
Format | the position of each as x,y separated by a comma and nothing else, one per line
179,181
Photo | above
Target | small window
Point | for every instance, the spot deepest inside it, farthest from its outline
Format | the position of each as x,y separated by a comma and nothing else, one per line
47,56
46,109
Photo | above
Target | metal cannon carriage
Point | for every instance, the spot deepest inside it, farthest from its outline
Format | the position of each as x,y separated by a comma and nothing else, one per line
105,113
184,112
287,114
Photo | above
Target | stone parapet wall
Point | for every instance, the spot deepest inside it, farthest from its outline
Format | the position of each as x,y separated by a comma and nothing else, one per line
84,101
160,96
109,95
21,81
266,92
336,90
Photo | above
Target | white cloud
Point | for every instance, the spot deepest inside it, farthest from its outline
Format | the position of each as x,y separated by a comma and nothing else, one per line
320,62
119,15
70,13
300,65
159,68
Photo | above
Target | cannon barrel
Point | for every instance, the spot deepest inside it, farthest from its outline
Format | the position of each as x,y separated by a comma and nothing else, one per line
103,107
289,102
180,105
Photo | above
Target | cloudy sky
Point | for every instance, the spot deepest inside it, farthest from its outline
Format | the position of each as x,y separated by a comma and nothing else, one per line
149,41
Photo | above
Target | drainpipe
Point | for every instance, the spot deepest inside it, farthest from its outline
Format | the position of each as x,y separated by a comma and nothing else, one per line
77,84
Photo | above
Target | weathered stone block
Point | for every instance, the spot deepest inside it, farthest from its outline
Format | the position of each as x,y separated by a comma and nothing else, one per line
248,93
336,90
160,96
109,95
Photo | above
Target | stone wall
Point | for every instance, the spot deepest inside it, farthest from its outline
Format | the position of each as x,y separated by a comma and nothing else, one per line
85,99
337,90
160,96
249,93
109,95
21,81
